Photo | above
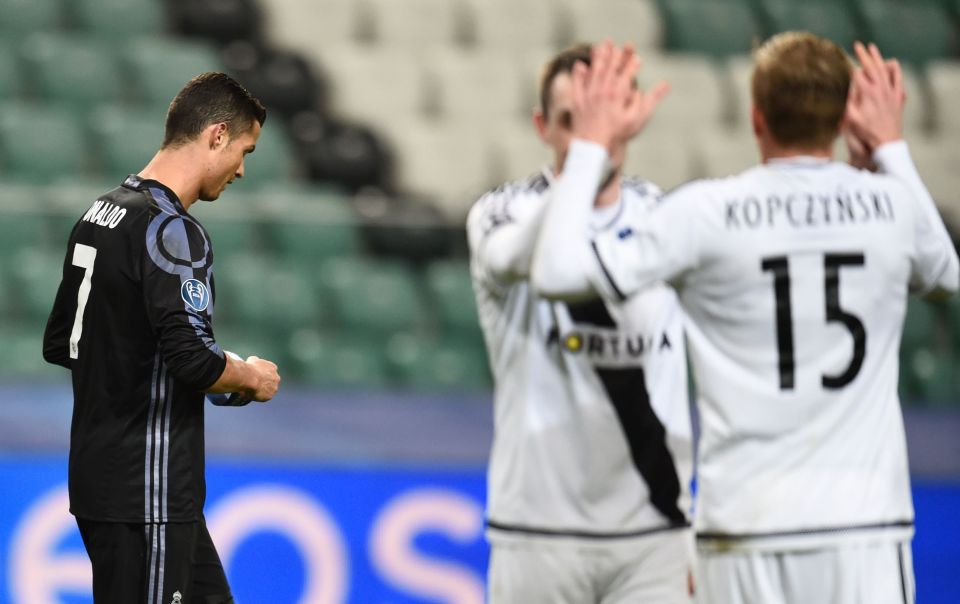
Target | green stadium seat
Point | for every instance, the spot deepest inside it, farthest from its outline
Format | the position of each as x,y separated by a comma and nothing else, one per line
22,226
451,288
246,340
306,227
346,363
21,355
118,20
253,291
10,85
20,18
231,232
933,375
72,71
127,138
67,201
161,67
832,19
915,32
272,161
713,27
373,298
35,274
428,366
921,324
37,142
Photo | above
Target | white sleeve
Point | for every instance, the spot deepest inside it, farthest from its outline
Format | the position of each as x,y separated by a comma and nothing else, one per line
570,262
562,265
936,268
501,230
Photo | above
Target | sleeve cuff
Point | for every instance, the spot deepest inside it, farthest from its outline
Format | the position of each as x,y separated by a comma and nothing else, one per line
891,153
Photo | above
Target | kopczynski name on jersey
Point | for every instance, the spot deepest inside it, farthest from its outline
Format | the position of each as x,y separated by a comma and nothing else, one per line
609,347
105,214
809,210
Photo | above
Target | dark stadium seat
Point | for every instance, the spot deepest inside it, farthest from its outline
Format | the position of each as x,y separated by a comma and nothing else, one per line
306,227
118,20
370,297
38,143
160,67
127,138
712,27
916,32
348,155
284,81
71,70
19,18
216,20
832,19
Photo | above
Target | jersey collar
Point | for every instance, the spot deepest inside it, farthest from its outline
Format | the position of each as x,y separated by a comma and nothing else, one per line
799,161
135,182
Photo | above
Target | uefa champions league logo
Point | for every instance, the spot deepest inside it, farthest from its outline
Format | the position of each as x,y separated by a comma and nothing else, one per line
195,294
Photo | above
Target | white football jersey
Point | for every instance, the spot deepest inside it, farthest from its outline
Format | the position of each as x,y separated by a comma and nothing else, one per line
592,431
794,276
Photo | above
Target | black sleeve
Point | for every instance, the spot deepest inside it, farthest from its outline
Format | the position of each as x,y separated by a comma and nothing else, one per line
56,337
178,299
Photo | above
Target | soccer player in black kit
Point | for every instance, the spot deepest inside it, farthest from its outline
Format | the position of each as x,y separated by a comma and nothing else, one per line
132,321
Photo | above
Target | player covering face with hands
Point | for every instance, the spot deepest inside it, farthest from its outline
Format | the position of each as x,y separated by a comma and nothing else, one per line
794,275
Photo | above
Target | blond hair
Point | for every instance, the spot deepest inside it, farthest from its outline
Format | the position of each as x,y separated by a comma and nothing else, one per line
800,83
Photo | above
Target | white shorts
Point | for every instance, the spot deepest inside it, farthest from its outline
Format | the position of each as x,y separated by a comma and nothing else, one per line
652,569
878,573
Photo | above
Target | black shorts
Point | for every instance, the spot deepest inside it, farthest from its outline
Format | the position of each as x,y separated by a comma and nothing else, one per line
170,563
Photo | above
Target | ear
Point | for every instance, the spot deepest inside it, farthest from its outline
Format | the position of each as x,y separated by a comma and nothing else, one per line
540,122
217,135
758,122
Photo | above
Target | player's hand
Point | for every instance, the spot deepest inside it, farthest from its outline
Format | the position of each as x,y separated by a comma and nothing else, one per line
607,107
875,104
268,379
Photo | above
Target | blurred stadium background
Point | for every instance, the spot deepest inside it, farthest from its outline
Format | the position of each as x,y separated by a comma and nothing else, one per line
342,254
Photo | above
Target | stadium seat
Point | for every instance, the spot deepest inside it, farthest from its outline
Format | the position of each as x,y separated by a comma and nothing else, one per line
39,141
725,152
341,362
36,275
127,138
20,18
920,325
662,157
944,79
251,290
218,20
22,223
246,340
451,289
635,21
312,26
422,365
370,297
937,160
65,201
711,27
479,86
233,231
934,376
697,96
346,155
118,20
72,71
831,19
283,81
518,151
273,161
306,227
406,227
21,356
432,24
160,67
10,84
915,32
507,25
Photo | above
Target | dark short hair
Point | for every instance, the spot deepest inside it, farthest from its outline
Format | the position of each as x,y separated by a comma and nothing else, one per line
210,98
563,62
800,84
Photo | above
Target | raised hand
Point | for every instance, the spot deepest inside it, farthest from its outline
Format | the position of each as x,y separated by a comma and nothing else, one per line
875,104
268,379
607,107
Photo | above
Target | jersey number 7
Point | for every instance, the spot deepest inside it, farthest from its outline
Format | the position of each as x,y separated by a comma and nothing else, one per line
83,256
780,267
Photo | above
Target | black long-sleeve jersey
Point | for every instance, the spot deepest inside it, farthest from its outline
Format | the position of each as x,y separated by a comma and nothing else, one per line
132,321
